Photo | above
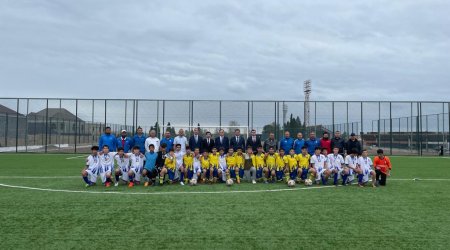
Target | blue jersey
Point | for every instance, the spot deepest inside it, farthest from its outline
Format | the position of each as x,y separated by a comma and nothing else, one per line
109,140
298,145
312,145
150,160
125,143
140,142
286,144
168,142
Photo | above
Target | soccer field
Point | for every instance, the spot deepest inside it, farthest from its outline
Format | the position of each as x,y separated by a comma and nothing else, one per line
44,204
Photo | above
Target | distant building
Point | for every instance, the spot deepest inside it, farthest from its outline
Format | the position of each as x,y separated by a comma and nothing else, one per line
59,120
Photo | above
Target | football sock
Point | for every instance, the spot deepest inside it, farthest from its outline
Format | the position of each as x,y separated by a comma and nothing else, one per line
360,178
335,179
85,178
117,178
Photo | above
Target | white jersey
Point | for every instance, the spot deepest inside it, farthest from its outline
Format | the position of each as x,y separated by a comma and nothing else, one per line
318,161
335,161
136,160
182,140
365,163
351,161
92,163
179,158
122,162
107,160
223,162
154,141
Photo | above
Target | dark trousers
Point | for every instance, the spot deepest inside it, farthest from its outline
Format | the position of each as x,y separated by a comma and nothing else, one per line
381,177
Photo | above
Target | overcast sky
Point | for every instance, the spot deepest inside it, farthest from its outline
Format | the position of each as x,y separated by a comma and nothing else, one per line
358,50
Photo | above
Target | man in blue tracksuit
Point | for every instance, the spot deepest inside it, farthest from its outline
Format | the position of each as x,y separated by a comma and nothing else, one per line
299,143
312,143
139,140
168,140
287,142
108,139
124,141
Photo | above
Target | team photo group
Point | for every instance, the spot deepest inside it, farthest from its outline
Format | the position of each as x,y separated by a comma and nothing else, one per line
207,160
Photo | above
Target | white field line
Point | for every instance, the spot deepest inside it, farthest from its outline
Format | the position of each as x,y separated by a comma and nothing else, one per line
75,157
163,193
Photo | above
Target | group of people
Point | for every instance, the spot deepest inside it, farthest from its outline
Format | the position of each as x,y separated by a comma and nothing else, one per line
221,159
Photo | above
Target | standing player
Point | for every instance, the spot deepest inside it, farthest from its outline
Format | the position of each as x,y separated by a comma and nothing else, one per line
337,164
319,166
123,166
137,162
89,172
106,165
351,167
181,139
383,167
304,160
150,171
366,165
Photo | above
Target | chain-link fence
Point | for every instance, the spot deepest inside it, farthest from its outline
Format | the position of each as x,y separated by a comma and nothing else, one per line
73,125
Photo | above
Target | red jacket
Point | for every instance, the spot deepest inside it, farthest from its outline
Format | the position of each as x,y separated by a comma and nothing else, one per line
326,144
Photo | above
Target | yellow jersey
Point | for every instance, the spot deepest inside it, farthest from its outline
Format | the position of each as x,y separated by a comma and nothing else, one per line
239,160
271,160
303,160
214,159
292,162
260,161
205,162
281,162
188,161
231,161
170,162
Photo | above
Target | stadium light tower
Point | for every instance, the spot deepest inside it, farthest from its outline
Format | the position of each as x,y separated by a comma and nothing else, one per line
285,110
307,90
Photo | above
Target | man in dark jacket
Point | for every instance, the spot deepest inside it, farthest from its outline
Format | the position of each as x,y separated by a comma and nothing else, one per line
338,142
237,141
222,141
353,143
196,141
208,143
253,141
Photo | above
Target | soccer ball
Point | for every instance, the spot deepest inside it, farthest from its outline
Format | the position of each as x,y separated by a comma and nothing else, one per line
230,182
291,183
308,182
193,182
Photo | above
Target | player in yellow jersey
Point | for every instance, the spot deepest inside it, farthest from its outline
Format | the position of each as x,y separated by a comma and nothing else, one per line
281,163
188,165
168,168
231,164
292,164
239,168
260,163
206,165
214,169
270,170
304,160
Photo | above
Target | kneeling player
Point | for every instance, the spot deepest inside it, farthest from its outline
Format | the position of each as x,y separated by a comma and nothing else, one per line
231,163
260,163
303,164
123,166
206,165
318,166
149,173
351,167
270,171
106,165
168,168
365,163
292,164
223,165
89,172
214,171
336,164
240,161
188,165
383,167
137,162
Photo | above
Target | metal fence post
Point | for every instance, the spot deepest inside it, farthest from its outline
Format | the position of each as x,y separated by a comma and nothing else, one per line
17,126
390,126
46,126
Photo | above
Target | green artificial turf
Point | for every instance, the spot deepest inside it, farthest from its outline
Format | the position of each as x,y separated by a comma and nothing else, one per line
403,215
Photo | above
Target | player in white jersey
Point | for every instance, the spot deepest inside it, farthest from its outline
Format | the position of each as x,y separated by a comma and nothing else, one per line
137,164
366,166
336,164
351,167
179,154
123,166
197,164
89,172
223,163
319,166
106,165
